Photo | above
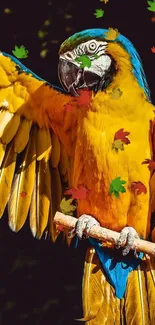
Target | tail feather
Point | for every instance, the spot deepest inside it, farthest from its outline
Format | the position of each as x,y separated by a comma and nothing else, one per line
102,307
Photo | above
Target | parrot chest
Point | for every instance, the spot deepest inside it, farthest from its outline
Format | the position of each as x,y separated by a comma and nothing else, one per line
111,168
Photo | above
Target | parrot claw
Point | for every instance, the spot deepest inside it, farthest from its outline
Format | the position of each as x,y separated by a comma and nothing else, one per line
128,235
84,223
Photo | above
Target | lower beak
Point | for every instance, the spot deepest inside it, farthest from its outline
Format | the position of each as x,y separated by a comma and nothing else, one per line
72,77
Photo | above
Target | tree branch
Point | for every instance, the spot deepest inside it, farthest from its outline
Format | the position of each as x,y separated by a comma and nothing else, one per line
104,234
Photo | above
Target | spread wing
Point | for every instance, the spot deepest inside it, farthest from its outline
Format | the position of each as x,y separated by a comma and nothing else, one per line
34,163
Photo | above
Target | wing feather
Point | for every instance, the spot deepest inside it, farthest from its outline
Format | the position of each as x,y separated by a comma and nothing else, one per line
32,166
22,188
6,176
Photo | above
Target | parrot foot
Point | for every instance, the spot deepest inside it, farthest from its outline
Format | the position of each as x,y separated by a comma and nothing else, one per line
128,235
84,223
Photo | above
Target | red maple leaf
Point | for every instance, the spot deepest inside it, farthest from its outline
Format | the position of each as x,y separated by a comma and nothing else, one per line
78,193
151,164
153,49
84,97
122,135
59,227
23,194
68,107
139,187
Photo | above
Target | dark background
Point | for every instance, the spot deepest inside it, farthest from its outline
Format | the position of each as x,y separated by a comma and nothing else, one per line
40,282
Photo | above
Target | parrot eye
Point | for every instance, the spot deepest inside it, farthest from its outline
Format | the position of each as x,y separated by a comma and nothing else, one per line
92,47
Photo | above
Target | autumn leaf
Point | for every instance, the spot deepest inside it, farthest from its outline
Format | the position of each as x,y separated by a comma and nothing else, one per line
118,145
84,61
139,187
23,194
7,11
68,107
99,13
116,186
116,93
153,19
122,135
105,1
20,52
151,164
84,97
67,206
79,193
112,34
151,5
153,49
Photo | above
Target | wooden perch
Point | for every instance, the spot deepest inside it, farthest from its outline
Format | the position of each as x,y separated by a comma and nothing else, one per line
104,234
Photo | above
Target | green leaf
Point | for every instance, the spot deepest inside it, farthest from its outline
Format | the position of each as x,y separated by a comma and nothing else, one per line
84,61
99,13
116,186
151,5
20,52
118,145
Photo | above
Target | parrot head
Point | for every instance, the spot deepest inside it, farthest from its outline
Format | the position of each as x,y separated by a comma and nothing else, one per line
87,62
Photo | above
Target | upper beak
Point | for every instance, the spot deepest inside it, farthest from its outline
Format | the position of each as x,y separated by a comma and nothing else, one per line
68,74
72,77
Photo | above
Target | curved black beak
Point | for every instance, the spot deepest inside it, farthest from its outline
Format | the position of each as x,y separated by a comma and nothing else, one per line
72,77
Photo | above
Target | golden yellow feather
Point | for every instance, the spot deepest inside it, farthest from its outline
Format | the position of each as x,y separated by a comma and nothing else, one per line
22,188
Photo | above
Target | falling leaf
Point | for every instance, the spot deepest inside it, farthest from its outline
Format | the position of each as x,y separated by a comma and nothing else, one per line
68,107
84,61
68,29
105,1
68,16
116,186
84,97
153,49
23,194
7,11
43,53
59,228
151,164
118,145
67,206
116,93
139,187
79,193
42,34
122,135
20,52
153,19
99,13
47,22
151,5
112,34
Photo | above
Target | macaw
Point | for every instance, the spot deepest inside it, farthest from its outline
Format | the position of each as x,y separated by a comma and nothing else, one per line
50,142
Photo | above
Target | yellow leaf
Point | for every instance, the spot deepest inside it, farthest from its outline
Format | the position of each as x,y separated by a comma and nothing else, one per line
66,206
112,34
118,145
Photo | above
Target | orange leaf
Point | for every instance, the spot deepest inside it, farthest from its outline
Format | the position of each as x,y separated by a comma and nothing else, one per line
153,49
139,187
84,97
151,164
78,193
23,194
122,135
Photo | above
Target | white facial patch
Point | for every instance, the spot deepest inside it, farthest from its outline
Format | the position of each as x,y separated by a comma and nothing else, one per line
96,51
